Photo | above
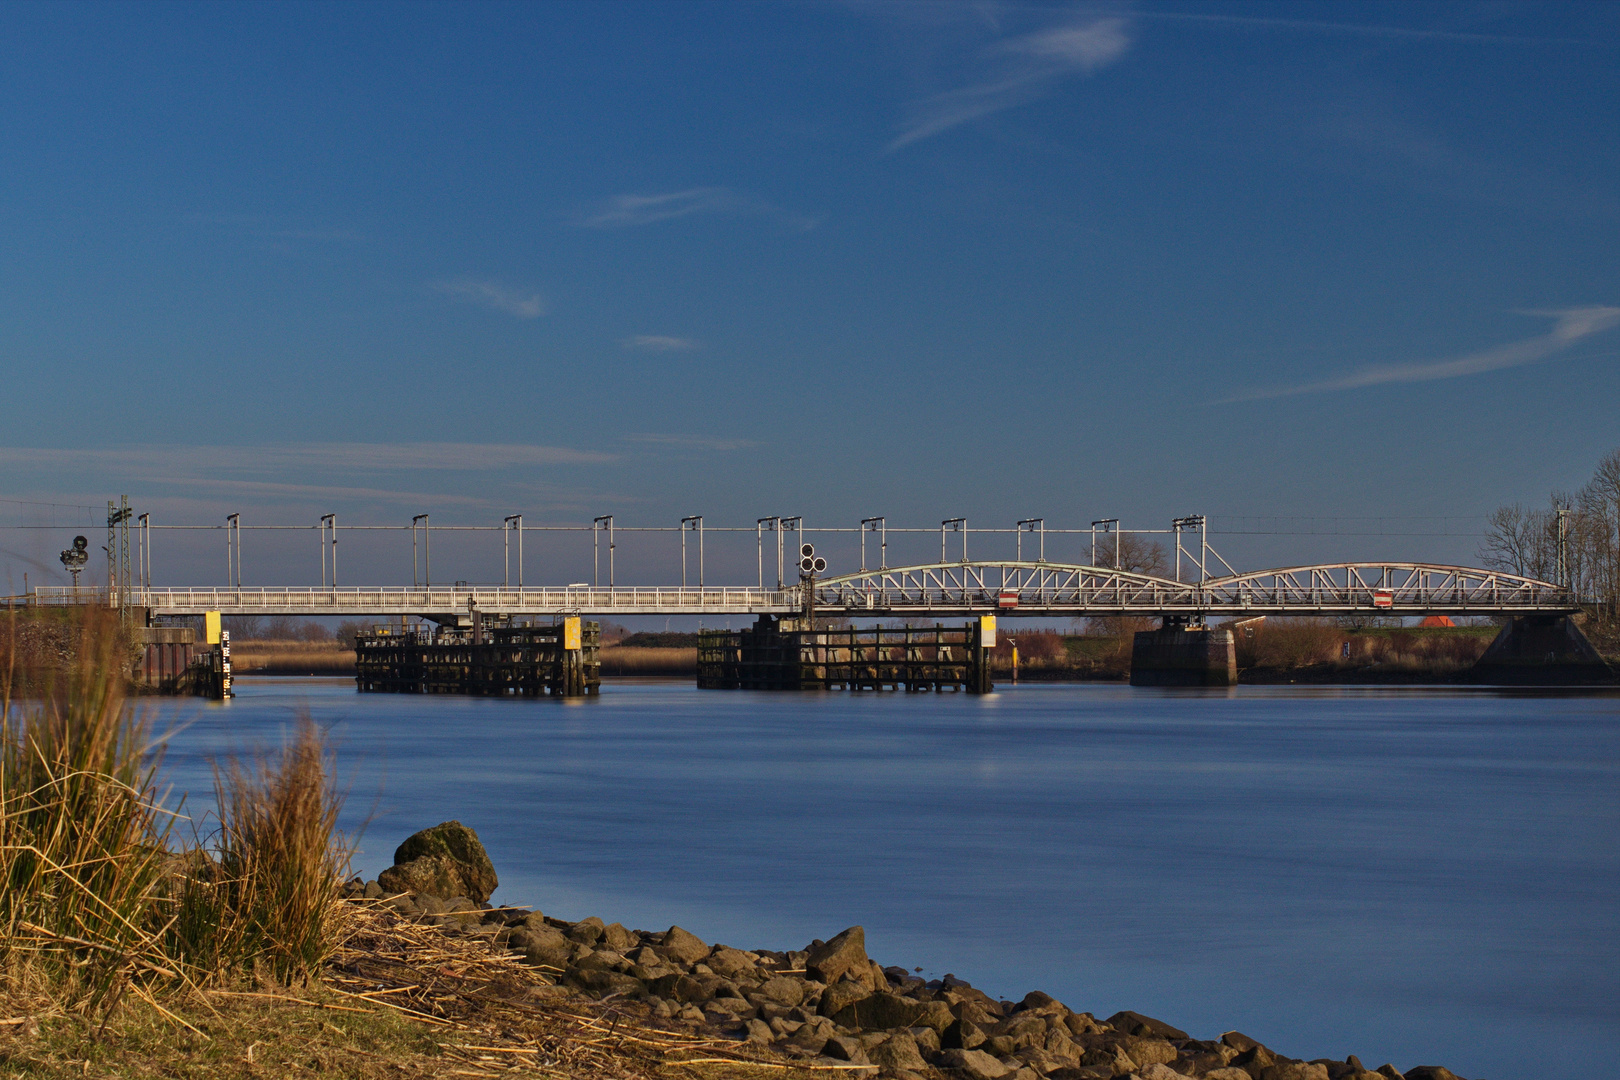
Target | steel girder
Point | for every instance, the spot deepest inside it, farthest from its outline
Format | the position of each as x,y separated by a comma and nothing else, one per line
1035,588
927,590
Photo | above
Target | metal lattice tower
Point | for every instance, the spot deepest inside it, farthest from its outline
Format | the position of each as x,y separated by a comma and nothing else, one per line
118,565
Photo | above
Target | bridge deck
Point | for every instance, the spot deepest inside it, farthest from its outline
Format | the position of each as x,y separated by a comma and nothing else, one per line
938,590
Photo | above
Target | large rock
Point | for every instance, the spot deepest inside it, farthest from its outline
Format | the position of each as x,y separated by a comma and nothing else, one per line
898,1051
782,990
962,1035
974,1064
840,995
684,946
606,983
679,987
1149,1051
1431,1072
1134,1023
844,954
446,860
879,1012
1157,1071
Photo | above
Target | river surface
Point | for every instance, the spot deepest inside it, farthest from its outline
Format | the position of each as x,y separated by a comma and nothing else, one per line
1422,876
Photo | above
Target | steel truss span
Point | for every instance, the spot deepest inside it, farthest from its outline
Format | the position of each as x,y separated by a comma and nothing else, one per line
1026,588
936,589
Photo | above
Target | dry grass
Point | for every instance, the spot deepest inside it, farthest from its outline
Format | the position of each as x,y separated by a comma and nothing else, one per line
96,903
637,660
82,836
260,895
397,999
1284,645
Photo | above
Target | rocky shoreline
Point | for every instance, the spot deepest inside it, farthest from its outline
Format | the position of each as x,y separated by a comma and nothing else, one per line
828,1004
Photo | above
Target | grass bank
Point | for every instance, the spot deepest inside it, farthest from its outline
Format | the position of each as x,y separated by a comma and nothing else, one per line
135,941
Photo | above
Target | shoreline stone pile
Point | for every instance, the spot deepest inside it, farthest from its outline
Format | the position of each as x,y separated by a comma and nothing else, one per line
828,1003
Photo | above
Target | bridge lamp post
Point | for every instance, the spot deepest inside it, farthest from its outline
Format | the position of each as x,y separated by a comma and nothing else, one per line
1110,525
596,527
329,520
510,522
960,524
233,542
797,525
1192,521
759,547
145,571
881,527
427,554
1030,525
694,523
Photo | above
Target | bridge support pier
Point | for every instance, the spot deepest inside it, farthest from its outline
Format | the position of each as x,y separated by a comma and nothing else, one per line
1177,654
1542,650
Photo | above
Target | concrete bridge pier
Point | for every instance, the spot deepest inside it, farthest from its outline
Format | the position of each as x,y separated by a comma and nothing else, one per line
1542,650
1178,654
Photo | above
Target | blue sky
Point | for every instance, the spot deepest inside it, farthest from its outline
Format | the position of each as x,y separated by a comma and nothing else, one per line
924,260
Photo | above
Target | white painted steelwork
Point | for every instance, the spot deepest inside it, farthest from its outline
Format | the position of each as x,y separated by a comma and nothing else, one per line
935,589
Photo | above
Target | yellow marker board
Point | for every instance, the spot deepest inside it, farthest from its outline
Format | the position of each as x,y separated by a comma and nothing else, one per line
987,631
211,627
571,632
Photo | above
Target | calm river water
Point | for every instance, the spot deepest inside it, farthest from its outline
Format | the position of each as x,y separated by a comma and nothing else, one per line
1423,876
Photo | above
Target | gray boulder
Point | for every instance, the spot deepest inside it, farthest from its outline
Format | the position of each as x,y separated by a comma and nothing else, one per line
782,990
898,1051
879,1012
840,995
1134,1023
446,860
846,1048
844,954
973,1064
684,946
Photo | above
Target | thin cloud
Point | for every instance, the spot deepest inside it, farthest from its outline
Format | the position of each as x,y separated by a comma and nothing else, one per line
628,211
489,294
692,442
1023,69
165,461
1361,29
659,343
1570,326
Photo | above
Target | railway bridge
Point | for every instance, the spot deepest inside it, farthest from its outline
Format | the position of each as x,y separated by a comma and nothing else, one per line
1186,648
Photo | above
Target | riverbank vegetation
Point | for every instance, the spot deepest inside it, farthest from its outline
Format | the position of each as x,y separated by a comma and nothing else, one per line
139,941
1585,526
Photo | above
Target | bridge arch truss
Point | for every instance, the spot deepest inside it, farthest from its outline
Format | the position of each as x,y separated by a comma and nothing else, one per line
1057,589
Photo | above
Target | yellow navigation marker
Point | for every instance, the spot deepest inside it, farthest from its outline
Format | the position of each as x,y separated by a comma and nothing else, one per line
211,627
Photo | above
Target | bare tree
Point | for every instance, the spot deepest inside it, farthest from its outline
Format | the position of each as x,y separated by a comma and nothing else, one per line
1516,540
1599,510
1137,555
1525,541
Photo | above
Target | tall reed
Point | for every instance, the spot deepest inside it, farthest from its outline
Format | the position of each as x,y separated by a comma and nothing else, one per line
262,897
82,836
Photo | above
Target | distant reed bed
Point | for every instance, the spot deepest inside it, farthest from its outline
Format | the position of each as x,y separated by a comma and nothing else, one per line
293,657
633,660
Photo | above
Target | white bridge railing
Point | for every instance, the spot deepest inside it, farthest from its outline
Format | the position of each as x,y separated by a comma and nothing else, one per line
936,589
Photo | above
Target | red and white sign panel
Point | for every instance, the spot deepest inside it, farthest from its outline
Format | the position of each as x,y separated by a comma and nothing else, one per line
1383,598
1007,600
